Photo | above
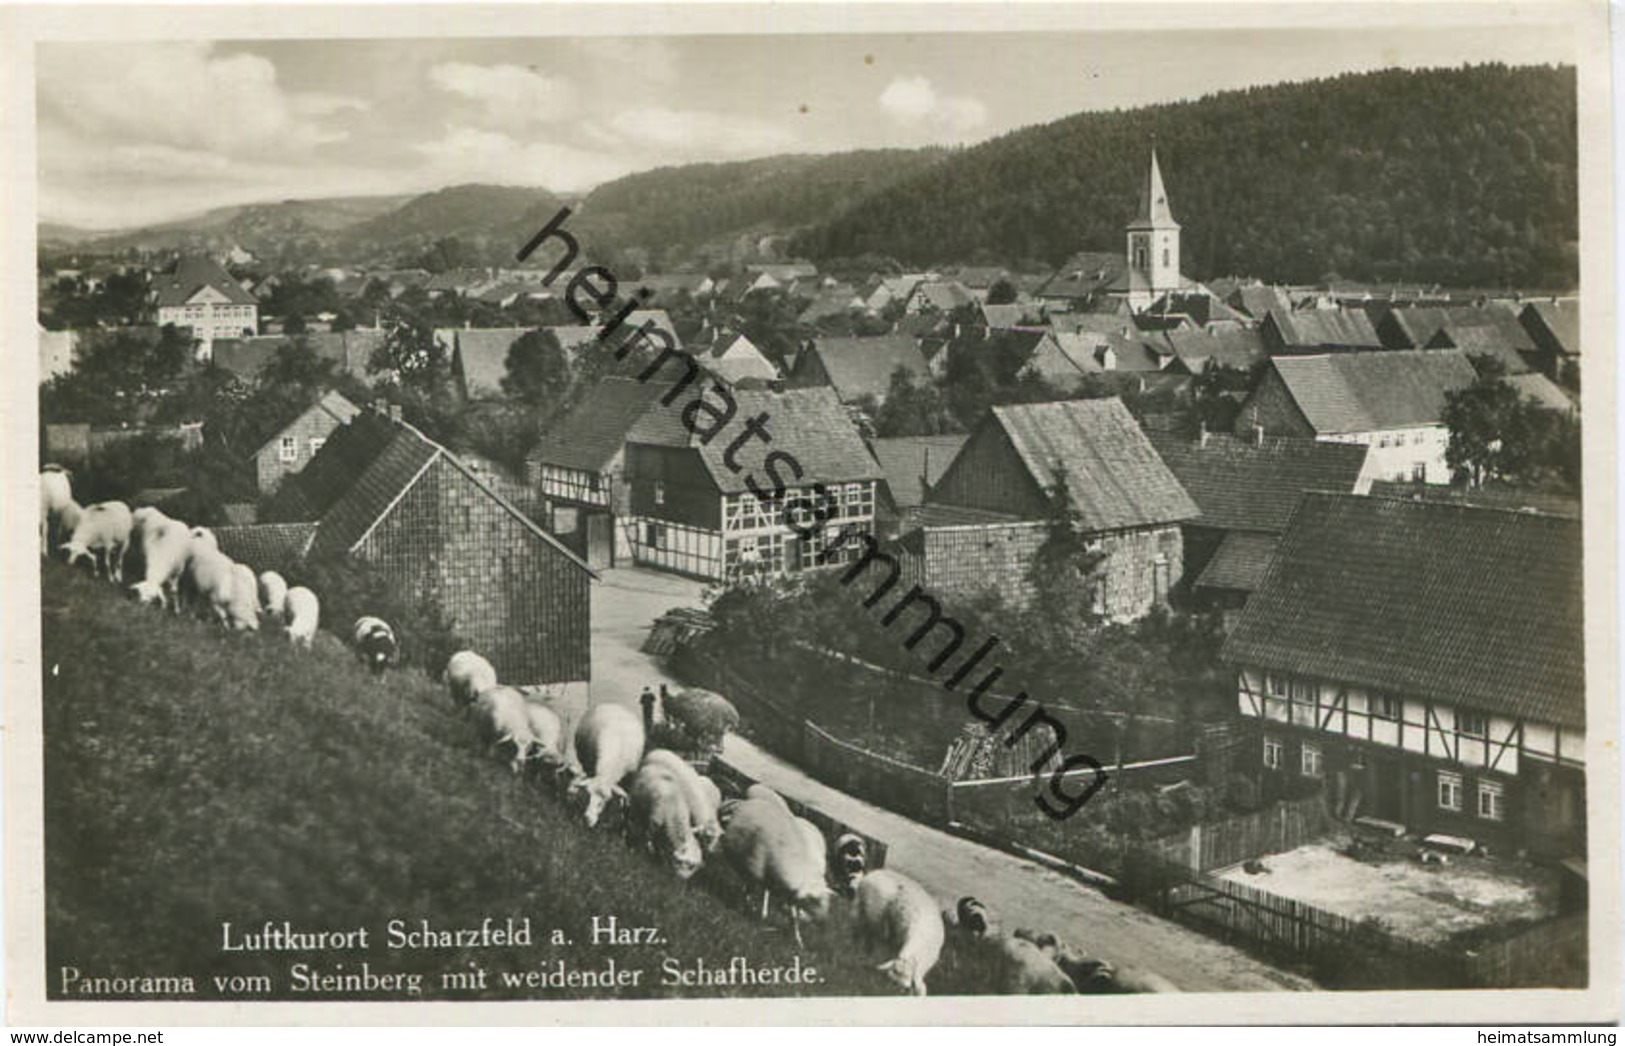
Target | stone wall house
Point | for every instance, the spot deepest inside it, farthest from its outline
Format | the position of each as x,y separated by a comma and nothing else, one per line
293,446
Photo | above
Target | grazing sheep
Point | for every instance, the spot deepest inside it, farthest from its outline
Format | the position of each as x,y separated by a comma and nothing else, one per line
765,845
375,643
166,548
897,913
211,577
1025,969
570,702
851,860
204,538
304,612
501,717
704,717
659,820
273,591
467,676
1091,976
608,746
547,733
762,791
973,917
102,535
702,802
243,612
55,497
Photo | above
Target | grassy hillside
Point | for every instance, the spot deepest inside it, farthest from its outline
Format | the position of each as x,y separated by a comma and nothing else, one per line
193,778
1456,176
478,215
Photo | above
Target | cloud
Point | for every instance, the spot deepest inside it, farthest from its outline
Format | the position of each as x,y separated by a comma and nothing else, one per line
913,101
649,61
698,131
181,95
508,95
471,154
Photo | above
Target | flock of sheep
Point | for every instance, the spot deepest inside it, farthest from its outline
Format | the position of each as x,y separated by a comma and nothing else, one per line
601,758
180,565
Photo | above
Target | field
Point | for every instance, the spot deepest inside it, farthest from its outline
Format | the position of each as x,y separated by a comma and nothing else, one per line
194,779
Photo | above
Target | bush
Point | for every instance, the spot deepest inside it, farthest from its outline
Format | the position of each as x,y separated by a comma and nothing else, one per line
350,588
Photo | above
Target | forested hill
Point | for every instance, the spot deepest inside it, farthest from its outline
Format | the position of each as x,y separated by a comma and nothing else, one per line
1464,177
696,203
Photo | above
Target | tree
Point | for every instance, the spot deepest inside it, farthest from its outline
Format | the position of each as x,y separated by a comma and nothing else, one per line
913,409
1003,292
538,369
1490,427
410,355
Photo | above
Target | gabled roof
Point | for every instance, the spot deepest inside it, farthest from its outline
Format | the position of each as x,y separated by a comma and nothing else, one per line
909,460
738,359
481,354
944,295
1013,314
363,471
1371,391
1559,320
1543,391
859,367
810,424
1259,300
332,403
1475,606
1240,562
349,351
1326,329
1236,347
1085,274
1113,475
592,432
1242,484
191,274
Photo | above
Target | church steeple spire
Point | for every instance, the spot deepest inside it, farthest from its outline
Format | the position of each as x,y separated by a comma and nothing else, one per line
1153,241
1154,211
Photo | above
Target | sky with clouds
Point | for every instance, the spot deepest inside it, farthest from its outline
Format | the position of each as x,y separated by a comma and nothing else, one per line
131,133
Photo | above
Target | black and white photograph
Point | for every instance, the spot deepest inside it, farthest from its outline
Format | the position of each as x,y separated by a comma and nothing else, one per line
868,507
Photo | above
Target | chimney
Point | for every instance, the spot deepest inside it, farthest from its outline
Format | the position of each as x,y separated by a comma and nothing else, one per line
1258,434
394,412
1201,435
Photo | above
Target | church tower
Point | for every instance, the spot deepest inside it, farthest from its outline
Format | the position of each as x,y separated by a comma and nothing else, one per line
1153,242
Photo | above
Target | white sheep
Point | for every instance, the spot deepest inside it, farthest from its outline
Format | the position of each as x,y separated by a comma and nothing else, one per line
102,535
55,496
501,717
897,912
165,548
608,746
702,801
273,592
204,538
658,818
763,843
467,676
211,577
1026,969
304,612
547,733
243,611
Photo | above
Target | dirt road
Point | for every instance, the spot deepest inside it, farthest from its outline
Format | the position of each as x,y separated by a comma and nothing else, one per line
1022,893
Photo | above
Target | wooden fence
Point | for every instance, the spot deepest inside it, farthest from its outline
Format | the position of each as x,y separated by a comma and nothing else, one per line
1219,844
907,789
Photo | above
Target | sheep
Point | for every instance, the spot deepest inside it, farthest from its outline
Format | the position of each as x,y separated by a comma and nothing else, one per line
1025,969
1090,976
762,791
55,497
102,535
609,746
851,860
703,716
375,643
659,819
204,537
898,913
546,731
211,577
501,717
166,549
303,612
243,612
765,845
571,705
973,917
702,801
273,592
817,845
467,676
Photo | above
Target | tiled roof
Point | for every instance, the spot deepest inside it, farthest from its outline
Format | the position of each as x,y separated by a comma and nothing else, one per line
905,460
1240,562
1084,275
859,367
1238,348
1480,607
190,275
349,351
1013,314
945,295
266,546
936,514
1490,341
1326,328
1259,300
1113,474
1371,391
1244,485
1561,320
809,424
590,435
1522,499
481,354
1543,391
332,403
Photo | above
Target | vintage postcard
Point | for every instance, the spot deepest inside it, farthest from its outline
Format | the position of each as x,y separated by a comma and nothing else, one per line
878,509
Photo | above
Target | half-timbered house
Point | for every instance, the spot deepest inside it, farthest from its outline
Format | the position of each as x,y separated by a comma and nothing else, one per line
1425,660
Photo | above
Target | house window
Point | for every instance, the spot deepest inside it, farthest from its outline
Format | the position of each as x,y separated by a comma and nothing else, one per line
1471,724
1384,706
1275,685
1165,262
1491,801
1450,791
652,533
1419,472
660,492
288,450
316,443
1272,754
1310,764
